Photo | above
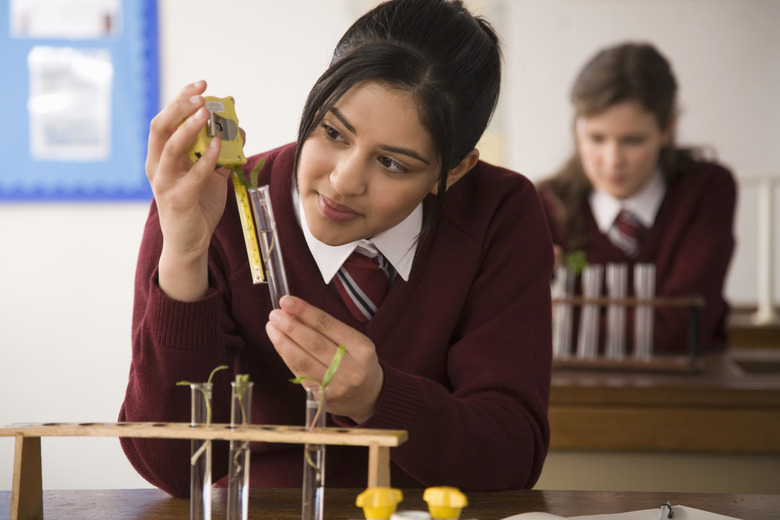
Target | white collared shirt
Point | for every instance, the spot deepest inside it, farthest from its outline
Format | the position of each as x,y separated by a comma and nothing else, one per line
398,244
644,205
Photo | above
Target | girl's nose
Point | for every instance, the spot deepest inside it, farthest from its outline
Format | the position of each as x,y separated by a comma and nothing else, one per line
613,155
349,175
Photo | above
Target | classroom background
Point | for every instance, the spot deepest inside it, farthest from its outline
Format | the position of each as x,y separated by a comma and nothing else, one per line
67,268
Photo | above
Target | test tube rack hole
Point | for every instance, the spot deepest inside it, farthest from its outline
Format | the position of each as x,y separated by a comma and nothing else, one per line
27,489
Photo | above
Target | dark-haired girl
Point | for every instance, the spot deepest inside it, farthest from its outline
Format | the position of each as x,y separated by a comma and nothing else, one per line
458,352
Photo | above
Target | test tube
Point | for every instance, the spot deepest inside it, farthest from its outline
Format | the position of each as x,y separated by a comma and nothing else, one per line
644,288
269,243
617,281
588,338
562,287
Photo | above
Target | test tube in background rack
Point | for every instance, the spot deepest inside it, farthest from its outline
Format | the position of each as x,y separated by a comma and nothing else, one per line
562,287
644,288
269,243
588,337
616,281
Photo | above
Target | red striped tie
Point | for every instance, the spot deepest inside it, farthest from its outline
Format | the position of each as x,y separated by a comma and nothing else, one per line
629,232
362,283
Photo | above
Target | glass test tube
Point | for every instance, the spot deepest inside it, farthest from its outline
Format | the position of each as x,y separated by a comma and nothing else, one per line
313,499
200,449
562,287
617,286
588,337
238,473
644,288
268,238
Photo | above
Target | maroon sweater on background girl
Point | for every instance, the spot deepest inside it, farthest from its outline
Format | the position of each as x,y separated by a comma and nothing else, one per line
691,244
465,345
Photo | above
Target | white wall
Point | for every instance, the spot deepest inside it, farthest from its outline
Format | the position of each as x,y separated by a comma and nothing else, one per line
66,270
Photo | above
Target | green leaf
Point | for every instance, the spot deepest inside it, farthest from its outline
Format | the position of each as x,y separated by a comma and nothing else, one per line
253,175
576,260
242,380
334,365
300,379
239,172
220,367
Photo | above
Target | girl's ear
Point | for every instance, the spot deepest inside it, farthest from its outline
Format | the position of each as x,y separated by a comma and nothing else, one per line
667,137
460,170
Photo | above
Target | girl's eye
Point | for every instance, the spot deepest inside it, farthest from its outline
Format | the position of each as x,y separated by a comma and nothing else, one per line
331,133
634,141
596,138
391,165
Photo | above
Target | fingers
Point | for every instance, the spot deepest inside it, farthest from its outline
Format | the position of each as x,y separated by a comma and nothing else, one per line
183,106
307,338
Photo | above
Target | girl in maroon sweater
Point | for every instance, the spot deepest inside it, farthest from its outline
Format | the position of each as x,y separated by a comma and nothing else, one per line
459,351
625,117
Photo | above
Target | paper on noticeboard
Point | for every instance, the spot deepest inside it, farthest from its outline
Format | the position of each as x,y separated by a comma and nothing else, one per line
69,103
71,19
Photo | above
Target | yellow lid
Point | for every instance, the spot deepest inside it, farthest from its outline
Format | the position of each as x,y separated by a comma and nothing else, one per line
379,503
444,502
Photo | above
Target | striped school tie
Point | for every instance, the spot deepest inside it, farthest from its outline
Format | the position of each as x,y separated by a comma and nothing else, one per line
628,232
362,283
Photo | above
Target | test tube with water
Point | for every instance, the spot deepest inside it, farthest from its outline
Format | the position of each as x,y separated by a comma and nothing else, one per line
617,282
269,243
562,287
644,289
588,337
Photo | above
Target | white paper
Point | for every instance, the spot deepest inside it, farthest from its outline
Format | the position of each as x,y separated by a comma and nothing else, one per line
680,513
70,103
70,19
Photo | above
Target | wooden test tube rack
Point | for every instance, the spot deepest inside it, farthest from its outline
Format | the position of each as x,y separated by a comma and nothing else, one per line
27,491
672,363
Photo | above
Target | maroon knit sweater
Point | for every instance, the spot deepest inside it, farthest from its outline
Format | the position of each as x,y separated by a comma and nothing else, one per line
691,244
465,345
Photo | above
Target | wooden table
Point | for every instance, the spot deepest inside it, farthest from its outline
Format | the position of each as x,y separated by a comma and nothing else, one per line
284,504
720,405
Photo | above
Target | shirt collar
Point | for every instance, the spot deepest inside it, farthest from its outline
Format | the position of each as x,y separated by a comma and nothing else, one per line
644,204
398,244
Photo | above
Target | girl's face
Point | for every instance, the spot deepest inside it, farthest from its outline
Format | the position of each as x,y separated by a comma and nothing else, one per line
619,147
367,165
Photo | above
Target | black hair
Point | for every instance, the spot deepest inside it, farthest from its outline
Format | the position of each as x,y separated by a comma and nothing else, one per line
448,59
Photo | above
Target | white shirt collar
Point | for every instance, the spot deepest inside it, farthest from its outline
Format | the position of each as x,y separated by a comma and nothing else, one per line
398,244
644,204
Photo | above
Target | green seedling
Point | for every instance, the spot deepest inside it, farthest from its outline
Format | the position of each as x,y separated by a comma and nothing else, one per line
324,382
576,261
250,183
203,446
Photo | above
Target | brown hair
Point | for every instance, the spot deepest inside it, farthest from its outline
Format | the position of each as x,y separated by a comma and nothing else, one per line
626,72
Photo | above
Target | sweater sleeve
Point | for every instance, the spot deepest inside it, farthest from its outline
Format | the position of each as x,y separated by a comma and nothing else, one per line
483,425
172,341
698,258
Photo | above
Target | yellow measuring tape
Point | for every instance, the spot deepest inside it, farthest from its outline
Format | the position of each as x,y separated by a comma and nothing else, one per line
248,226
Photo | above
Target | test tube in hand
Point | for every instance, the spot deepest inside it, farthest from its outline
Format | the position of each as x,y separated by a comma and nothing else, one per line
269,243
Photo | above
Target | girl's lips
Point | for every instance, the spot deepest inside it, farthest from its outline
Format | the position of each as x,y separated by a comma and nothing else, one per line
333,211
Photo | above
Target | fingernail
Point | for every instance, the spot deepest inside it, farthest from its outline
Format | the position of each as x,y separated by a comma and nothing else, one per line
286,302
199,83
194,100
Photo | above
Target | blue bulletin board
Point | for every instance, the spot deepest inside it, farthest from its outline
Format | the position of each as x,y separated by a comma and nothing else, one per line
80,86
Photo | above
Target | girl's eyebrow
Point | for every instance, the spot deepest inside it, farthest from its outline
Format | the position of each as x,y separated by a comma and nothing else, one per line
393,149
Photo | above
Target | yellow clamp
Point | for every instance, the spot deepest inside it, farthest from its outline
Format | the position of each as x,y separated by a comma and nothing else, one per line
379,503
445,502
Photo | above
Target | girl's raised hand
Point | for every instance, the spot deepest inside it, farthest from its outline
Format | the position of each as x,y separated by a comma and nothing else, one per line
190,197
307,339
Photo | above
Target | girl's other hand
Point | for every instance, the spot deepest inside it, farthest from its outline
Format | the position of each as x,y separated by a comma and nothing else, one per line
307,339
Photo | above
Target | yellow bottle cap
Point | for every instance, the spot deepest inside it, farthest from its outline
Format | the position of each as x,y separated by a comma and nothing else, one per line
379,503
445,502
